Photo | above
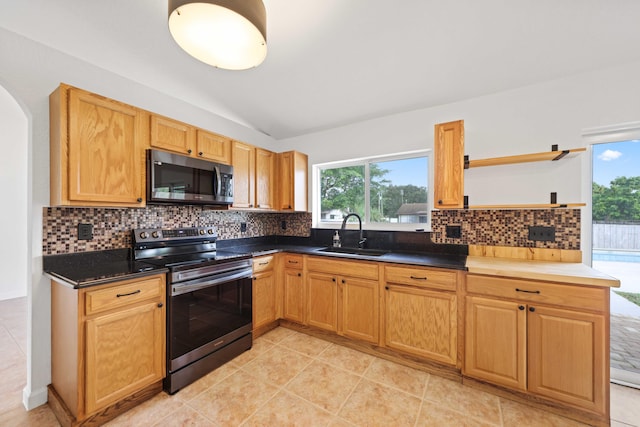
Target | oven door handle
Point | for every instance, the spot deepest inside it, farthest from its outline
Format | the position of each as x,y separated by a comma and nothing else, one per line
207,282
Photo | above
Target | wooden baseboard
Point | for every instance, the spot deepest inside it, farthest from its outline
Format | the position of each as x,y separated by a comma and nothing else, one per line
66,418
540,403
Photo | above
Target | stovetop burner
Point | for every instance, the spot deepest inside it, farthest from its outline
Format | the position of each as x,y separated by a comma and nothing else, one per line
180,247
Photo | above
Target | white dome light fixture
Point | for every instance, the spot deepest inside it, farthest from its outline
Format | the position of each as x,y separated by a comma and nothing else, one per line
223,33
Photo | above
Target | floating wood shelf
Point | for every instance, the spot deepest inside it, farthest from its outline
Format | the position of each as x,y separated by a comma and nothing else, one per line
555,154
529,206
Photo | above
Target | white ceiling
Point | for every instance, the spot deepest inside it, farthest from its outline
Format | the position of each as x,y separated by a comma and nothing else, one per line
335,62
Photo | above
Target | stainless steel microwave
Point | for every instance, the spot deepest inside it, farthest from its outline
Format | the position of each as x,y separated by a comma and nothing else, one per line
172,178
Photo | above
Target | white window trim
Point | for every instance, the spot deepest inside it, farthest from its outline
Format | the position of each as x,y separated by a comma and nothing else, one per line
315,202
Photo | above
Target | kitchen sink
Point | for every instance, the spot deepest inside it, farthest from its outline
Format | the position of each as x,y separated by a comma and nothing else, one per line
355,251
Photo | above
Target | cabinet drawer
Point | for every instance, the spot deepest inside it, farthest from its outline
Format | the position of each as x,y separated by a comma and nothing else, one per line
580,297
125,293
264,263
293,261
366,270
418,276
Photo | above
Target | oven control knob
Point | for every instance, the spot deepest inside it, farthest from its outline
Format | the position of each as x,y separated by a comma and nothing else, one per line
144,235
155,235
210,231
201,232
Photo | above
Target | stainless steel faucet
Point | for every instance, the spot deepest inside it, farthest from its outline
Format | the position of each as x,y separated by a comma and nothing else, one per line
362,239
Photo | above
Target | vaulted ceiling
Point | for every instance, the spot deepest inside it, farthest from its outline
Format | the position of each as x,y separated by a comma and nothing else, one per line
335,62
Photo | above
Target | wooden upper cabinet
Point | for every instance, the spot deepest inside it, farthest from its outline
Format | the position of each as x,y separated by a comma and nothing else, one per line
214,147
265,170
244,160
449,165
172,135
253,177
293,181
96,150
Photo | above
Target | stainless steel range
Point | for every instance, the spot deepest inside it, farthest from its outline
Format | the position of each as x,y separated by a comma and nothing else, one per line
208,300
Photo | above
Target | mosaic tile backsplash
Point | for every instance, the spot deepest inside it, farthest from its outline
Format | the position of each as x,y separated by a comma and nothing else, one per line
508,227
112,227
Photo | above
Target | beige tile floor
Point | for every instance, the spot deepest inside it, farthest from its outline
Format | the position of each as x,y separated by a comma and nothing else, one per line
289,378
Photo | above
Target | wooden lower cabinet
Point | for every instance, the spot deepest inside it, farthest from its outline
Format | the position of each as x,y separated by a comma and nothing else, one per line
264,292
112,373
107,348
515,338
496,341
343,297
322,297
293,304
422,322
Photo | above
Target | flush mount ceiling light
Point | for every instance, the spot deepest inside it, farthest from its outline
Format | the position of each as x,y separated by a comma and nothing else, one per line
224,33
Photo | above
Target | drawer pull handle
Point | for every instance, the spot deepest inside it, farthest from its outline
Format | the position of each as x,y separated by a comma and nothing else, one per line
418,278
292,262
526,291
130,293
263,263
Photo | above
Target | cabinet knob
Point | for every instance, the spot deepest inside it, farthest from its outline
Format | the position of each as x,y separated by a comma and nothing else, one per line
189,151
532,309
160,305
200,153
333,279
439,202
521,307
251,205
289,207
386,287
299,274
343,281
139,199
257,206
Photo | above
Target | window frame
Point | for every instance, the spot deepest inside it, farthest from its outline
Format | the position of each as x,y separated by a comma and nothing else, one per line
365,161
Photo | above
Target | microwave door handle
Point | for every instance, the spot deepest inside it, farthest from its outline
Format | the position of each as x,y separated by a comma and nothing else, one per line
216,182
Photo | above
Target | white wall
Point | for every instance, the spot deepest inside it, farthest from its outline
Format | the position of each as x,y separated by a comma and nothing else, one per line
13,214
525,120
30,72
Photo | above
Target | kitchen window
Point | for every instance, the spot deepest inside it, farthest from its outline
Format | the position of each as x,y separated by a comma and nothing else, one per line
388,192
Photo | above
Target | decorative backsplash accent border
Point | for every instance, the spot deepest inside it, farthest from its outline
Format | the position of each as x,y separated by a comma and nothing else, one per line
508,227
112,227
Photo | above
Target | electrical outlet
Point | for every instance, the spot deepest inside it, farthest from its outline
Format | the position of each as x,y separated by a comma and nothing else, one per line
542,234
85,231
454,231
283,225
243,227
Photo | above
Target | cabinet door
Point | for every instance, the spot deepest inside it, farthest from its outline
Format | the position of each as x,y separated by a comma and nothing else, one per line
172,135
360,308
322,301
265,168
421,322
292,181
124,353
448,153
211,146
244,163
568,357
105,157
495,343
264,299
294,298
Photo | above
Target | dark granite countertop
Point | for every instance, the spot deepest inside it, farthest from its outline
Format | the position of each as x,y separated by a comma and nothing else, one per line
85,269
436,260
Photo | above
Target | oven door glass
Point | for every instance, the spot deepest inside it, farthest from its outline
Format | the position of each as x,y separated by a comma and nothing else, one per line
201,317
